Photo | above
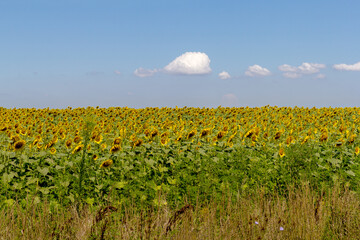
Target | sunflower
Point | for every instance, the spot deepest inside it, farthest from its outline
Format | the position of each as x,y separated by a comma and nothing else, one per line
19,145
115,148
191,134
220,135
137,143
77,139
117,141
164,141
357,150
103,146
277,135
106,164
78,148
95,157
52,150
68,143
205,132
281,152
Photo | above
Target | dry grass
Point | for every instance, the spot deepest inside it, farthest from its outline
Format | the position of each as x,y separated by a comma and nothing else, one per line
304,214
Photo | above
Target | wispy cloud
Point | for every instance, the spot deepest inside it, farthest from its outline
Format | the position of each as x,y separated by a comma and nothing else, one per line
346,67
257,70
229,100
142,72
304,68
224,75
117,72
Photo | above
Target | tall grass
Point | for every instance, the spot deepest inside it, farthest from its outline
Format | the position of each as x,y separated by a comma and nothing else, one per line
303,214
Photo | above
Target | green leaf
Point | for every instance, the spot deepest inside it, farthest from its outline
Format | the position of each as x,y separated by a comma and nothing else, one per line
351,173
44,171
120,185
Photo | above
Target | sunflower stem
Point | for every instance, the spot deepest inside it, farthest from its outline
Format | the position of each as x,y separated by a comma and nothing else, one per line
86,135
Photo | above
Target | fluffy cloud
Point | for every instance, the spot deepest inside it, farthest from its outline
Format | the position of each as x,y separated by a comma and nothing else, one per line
229,100
141,72
224,75
346,67
304,68
189,63
257,70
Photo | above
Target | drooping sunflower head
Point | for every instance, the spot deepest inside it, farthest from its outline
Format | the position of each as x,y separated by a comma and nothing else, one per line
106,164
77,139
117,141
137,143
205,132
78,148
19,145
115,148
357,150
68,143
191,134
281,152
220,135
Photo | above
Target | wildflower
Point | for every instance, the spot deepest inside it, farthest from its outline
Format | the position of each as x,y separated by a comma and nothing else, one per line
281,229
106,164
95,157
357,150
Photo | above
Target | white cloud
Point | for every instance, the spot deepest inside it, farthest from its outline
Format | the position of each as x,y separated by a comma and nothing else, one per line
320,76
141,72
257,70
224,75
291,75
117,72
287,68
189,63
229,100
346,67
304,68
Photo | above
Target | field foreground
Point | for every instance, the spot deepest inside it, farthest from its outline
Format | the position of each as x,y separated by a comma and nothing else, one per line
291,168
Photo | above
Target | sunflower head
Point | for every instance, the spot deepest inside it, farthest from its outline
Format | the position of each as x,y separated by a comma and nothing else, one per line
137,143
281,152
357,150
78,148
106,164
19,145
52,150
117,141
68,143
191,134
115,148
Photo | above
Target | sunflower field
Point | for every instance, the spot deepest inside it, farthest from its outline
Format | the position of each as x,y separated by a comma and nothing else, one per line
162,156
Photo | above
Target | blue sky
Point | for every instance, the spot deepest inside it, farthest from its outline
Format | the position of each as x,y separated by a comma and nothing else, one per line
170,53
